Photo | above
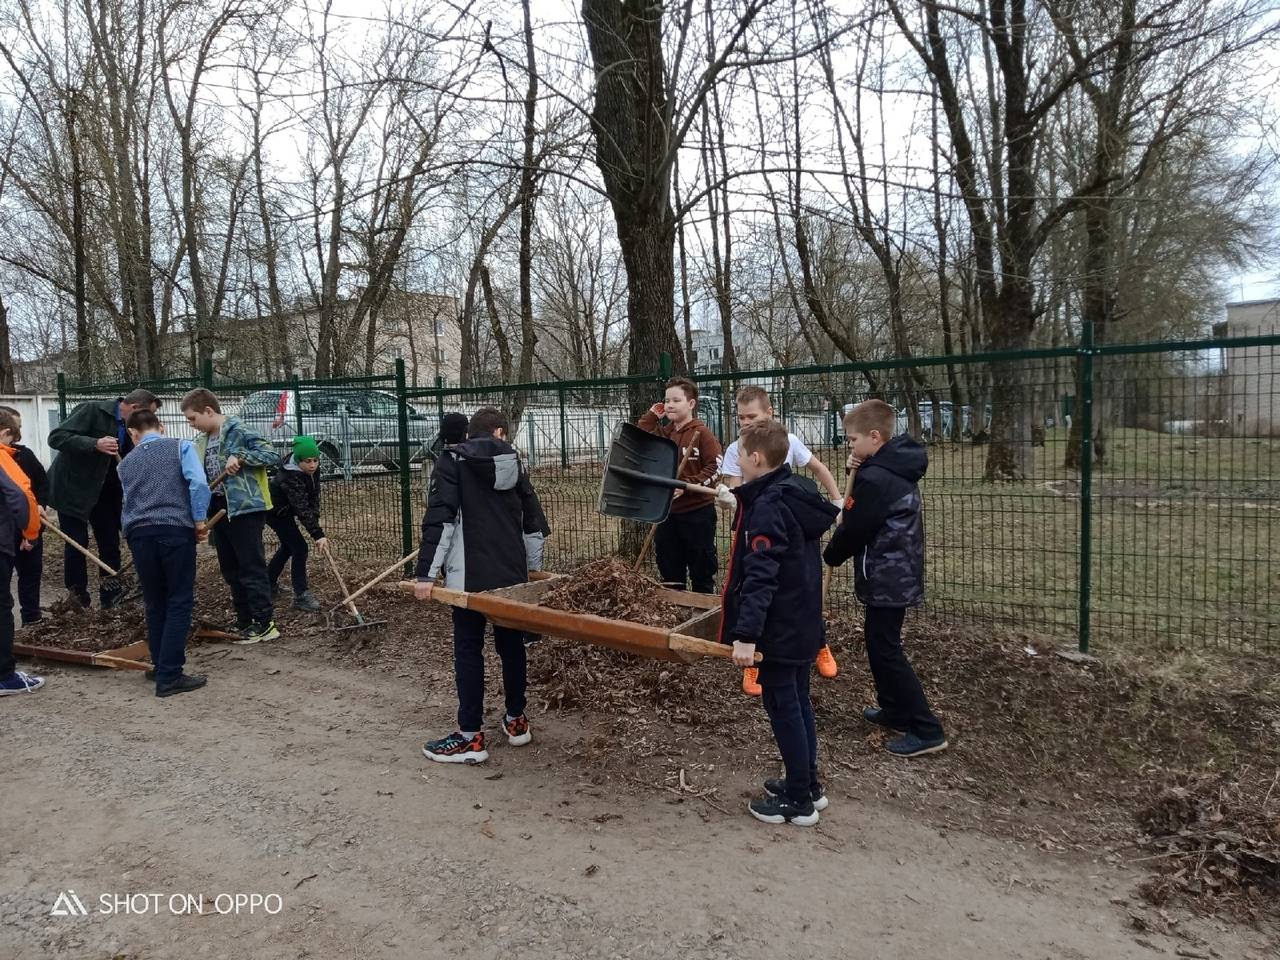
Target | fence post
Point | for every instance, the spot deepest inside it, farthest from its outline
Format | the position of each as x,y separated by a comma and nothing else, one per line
346,445
664,366
600,448
297,403
62,396
206,373
440,398
564,441
406,502
533,441
1085,412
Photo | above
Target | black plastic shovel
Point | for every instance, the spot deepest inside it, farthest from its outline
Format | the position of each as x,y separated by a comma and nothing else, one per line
640,476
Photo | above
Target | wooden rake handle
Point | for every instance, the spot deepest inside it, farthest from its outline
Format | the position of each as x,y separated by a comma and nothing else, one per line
346,596
384,574
653,528
89,554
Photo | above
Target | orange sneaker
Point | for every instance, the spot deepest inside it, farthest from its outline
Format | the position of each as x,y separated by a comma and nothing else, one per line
827,663
751,682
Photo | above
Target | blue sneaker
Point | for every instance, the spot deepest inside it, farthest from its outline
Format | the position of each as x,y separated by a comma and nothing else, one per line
19,682
909,745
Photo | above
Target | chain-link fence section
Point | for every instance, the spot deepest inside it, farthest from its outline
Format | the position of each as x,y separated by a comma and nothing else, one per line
1114,494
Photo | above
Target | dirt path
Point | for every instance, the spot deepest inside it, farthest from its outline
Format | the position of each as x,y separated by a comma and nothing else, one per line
291,776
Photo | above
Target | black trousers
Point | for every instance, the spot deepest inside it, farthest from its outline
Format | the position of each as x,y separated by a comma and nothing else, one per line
293,546
30,567
104,519
898,690
685,547
786,701
7,663
243,562
468,667
166,561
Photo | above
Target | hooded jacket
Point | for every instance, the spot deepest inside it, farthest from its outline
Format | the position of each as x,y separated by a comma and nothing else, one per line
882,527
295,493
773,588
15,514
484,526
248,491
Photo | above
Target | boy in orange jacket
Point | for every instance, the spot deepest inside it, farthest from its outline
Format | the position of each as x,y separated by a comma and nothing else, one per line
19,527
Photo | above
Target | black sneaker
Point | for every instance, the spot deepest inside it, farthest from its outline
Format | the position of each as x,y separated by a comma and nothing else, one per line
32,621
81,597
305,601
185,683
777,787
909,745
769,809
876,716
455,748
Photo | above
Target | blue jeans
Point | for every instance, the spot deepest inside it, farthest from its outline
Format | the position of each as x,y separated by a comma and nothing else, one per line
165,558
468,667
786,701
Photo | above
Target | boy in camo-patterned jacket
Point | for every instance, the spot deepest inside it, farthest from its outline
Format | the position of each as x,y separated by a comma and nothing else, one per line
882,529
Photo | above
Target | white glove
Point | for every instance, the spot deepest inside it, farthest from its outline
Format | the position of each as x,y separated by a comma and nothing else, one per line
838,502
725,497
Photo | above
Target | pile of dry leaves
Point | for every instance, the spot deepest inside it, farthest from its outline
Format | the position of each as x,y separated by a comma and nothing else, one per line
1215,838
612,588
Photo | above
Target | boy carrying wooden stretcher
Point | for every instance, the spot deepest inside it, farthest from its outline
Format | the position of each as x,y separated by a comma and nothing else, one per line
773,602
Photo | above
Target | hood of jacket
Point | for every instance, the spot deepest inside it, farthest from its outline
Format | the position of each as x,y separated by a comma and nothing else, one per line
813,512
491,461
903,456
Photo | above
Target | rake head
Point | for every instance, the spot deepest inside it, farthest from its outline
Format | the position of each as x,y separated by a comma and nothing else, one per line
361,625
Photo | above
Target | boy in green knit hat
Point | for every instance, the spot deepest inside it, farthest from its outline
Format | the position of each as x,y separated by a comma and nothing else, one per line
295,498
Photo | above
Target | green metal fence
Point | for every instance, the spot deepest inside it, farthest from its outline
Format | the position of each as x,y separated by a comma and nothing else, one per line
1166,534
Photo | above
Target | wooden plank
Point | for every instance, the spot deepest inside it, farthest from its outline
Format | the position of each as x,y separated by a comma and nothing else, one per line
687,598
82,657
618,634
138,650
705,626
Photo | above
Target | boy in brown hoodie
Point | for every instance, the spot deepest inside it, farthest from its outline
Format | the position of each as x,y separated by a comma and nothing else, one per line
685,543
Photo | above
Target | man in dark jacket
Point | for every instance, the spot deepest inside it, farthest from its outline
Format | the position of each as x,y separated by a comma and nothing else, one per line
484,529
29,563
84,487
882,529
772,602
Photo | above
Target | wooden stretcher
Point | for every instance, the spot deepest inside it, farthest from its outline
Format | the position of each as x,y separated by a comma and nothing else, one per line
517,607
132,656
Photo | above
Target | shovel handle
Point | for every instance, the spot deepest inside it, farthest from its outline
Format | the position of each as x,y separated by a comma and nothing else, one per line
828,570
89,554
657,481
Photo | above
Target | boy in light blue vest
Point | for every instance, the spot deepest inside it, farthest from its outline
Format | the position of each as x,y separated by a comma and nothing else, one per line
166,499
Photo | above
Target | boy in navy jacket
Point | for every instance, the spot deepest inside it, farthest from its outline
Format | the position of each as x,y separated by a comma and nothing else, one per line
773,602
882,529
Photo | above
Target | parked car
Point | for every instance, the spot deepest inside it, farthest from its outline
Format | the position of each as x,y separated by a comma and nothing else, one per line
354,428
